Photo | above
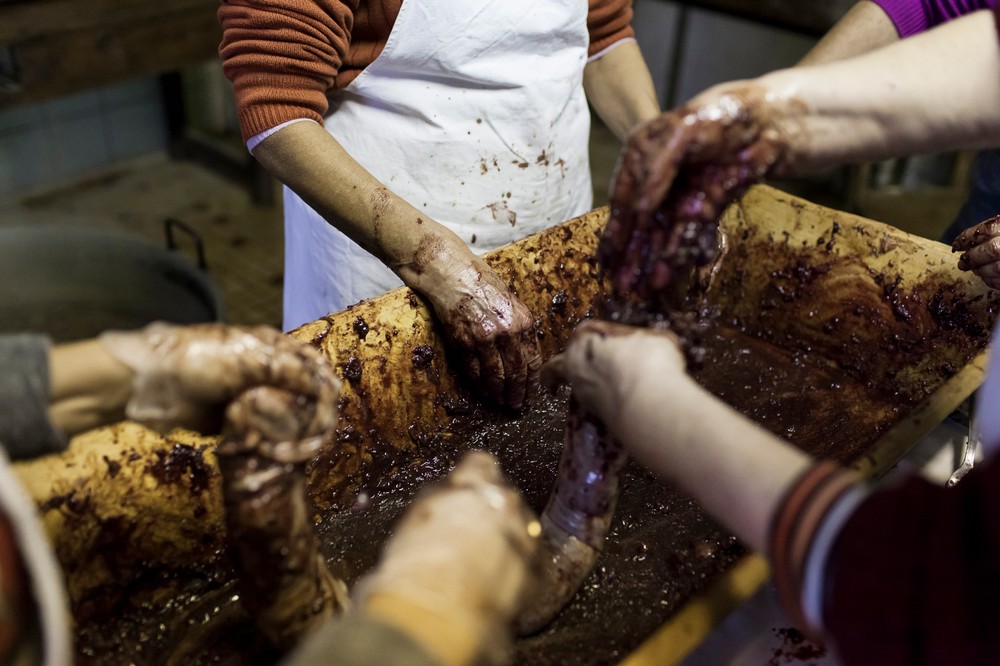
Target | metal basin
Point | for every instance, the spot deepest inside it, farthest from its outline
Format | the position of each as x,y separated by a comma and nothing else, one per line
75,283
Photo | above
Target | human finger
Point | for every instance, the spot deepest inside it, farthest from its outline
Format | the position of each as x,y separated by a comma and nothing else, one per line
981,255
553,373
976,235
515,371
533,354
990,274
648,166
491,376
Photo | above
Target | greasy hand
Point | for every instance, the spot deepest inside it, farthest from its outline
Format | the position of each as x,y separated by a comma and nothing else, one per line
186,375
676,175
604,362
492,329
277,424
464,547
980,247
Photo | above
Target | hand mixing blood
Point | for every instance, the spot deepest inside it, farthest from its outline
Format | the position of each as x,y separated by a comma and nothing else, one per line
493,331
464,552
185,376
980,247
675,177
279,398
269,436
576,519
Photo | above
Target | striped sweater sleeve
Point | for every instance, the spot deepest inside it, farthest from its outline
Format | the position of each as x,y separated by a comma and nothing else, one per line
900,573
914,574
282,57
799,537
608,22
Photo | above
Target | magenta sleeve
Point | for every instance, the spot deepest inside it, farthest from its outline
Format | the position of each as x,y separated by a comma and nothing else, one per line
913,16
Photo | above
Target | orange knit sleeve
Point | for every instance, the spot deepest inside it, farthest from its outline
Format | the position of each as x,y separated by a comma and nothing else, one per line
282,57
608,21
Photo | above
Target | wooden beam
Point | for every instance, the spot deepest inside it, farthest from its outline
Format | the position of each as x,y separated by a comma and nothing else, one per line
70,61
20,21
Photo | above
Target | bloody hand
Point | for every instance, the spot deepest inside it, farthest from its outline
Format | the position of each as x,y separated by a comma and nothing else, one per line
980,246
186,376
494,333
676,175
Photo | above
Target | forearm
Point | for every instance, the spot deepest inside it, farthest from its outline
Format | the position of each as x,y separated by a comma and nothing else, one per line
890,102
736,470
451,638
90,388
457,567
620,88
312,163
865,27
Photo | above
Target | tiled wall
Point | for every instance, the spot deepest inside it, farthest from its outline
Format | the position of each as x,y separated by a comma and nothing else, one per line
66,137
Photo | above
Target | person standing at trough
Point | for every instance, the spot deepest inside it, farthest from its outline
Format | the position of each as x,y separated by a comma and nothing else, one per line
413,137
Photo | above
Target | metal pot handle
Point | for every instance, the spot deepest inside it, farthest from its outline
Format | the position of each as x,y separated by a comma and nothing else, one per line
168,228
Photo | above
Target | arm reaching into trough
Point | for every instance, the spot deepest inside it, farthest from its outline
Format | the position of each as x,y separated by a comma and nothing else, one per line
937,90
872,24
634,381
180,376
450,580
865,27
89,386
275,400
494,330
678,172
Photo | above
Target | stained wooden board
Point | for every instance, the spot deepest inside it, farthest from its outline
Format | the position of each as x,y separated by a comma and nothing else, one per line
165,490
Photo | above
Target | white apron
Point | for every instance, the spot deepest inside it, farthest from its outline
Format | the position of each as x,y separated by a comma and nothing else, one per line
473,113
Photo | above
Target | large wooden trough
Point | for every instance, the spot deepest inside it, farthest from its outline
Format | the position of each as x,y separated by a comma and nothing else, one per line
849,337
